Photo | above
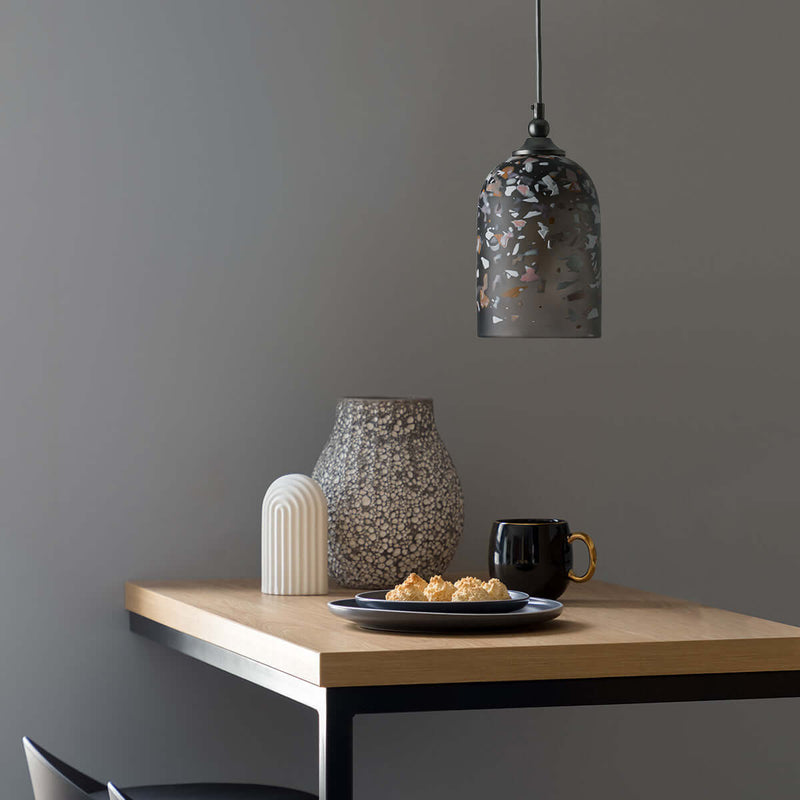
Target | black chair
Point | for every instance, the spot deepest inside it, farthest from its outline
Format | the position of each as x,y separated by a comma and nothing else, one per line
52,779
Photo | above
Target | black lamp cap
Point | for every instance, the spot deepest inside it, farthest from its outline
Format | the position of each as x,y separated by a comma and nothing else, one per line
539,143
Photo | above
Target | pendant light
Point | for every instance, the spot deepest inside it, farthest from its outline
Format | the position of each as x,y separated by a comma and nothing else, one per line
538,239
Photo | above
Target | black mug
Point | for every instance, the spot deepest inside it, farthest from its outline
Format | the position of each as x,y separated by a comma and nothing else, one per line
535,556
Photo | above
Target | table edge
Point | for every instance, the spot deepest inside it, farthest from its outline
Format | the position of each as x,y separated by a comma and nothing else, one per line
293,659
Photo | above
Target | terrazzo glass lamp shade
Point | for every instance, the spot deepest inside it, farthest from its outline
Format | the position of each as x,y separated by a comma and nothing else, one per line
538,245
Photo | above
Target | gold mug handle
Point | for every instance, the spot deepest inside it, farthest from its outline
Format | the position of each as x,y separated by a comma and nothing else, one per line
587,540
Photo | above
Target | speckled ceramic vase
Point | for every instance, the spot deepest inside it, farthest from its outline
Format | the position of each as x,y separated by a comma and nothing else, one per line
394,498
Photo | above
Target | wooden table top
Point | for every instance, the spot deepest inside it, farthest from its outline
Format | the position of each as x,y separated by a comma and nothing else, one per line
605,631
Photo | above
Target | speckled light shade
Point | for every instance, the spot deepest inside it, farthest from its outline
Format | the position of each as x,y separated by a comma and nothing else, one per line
538,250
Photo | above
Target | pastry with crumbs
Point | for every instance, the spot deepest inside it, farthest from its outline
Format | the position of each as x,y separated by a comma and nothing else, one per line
470,593
468,581
415,580
439,590
406,592
497,590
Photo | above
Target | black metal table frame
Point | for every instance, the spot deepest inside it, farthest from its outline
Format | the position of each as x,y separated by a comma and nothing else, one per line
337,707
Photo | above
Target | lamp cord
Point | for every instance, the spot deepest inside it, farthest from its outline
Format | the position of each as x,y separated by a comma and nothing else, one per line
538,127
538,33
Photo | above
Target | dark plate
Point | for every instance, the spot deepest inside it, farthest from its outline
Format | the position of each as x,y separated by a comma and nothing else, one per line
377,600
536,611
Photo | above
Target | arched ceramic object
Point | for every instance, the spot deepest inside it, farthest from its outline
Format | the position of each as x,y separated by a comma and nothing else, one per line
294,537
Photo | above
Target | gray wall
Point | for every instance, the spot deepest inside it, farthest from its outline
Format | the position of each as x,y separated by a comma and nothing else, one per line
216,217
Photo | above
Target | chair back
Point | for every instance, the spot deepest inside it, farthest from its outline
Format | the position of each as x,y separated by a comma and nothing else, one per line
52,779
116,794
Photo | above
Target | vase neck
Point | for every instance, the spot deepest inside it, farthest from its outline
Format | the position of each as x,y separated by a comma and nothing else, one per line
401,416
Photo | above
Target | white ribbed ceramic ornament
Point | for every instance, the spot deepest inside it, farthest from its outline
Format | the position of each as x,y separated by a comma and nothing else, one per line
294,537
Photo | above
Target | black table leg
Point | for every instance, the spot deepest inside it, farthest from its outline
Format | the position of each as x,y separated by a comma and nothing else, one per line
335,746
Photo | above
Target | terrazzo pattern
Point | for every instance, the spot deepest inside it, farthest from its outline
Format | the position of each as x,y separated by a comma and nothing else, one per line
394,498
538,250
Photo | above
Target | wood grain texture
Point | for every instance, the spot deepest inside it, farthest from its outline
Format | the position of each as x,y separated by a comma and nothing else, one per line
605,631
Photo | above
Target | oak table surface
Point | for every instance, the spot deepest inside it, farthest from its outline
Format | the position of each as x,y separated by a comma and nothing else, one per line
604,631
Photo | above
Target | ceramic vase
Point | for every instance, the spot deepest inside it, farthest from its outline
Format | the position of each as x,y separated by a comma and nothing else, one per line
294,537
394,498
